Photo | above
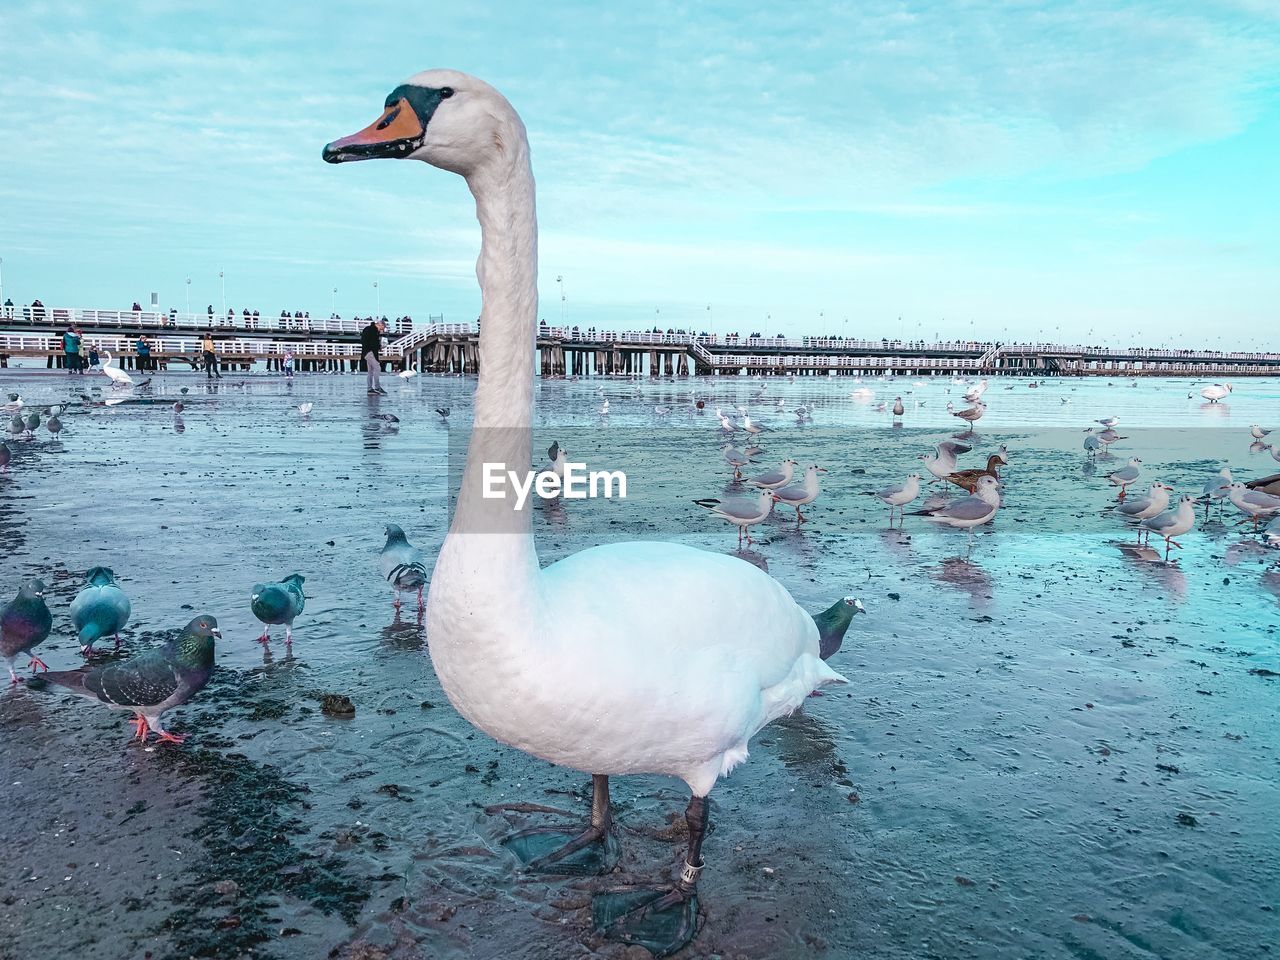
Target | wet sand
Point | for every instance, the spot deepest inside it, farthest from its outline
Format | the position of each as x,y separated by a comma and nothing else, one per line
1053,748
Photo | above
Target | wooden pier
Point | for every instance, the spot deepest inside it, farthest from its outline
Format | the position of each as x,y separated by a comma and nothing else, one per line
436,347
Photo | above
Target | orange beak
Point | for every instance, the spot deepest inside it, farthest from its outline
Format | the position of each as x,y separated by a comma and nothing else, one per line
397,133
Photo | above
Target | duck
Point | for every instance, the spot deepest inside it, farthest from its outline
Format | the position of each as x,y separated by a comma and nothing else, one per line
577,663
968,479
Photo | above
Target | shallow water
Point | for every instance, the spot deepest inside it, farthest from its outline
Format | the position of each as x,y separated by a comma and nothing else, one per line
1054,747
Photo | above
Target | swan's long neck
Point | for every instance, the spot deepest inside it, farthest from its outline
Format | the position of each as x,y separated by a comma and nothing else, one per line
484,592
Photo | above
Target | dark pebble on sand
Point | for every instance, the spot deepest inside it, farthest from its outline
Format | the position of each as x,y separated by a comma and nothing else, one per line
1186,820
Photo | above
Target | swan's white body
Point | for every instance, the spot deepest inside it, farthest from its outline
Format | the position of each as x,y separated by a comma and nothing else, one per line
408,373
583,663
1216,392
118,377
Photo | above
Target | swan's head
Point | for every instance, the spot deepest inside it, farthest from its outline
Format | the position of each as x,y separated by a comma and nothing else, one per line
449,119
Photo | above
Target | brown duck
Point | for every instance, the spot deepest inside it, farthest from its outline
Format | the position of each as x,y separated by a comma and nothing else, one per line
968,479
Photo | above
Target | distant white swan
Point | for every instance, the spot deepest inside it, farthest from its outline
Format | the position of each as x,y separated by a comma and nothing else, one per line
118,377
408,373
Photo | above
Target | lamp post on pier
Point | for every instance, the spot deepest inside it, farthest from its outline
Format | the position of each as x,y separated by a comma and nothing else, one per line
188,296
333,302
222,283
377,294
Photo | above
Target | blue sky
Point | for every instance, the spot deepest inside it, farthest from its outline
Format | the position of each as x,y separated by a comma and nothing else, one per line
1092,170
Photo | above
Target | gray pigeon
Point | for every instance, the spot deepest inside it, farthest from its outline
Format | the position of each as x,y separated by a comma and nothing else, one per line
25,621
403,565
152,682
33,421
53,425
100,609
6,454
278,603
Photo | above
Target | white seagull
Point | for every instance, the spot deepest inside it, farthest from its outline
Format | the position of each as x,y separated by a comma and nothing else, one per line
1173,523
743,512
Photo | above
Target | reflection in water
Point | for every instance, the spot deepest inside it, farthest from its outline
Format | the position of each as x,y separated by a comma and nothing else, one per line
802,740
752,557
178,425
1150,561
965,575
402,634
1216,409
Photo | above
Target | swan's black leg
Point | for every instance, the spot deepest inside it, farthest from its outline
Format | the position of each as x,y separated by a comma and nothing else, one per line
660,919
590,852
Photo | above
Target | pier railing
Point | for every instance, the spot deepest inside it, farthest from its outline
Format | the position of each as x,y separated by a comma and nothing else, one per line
62,317
34,344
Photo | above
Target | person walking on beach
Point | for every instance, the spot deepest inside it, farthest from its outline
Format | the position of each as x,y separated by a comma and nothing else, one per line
71,350
210,358
288,364
370,346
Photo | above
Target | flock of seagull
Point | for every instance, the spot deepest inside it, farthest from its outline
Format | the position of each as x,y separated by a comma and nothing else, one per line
1148,514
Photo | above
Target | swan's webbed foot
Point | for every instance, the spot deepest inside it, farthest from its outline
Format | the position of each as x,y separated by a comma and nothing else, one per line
588,853
660,919
592,852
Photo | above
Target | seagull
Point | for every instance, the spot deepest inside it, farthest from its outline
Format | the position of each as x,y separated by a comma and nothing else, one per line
743,512
1272,532
1253,502
1092,445
899,494
1258,433
801,494
1216,488
444,412
726,424
305,408
1108,437
556,459
942,462
898,408
968,512
976,391
1216,392
971,414
1275,452
774,479
803,412
1109,422
735,458
751,428
661,410
604,409
1126,475
1174,523
1144,508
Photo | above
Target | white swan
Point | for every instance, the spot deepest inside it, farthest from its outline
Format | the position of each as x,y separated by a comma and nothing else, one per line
1216,392
409,372
583,663
118,377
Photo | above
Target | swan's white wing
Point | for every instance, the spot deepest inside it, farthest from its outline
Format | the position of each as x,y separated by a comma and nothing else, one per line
681,656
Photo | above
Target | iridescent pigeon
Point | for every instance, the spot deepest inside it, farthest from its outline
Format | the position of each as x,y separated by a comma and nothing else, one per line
152,682
25,621
100,609
278,603
403,565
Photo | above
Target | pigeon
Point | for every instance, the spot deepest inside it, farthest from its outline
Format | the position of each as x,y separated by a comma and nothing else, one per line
53,425
100,609
14,404
444,412
184,390
305,408
832,624
6,454
403,565
152,682
17,427
278,603
25,621
32,421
